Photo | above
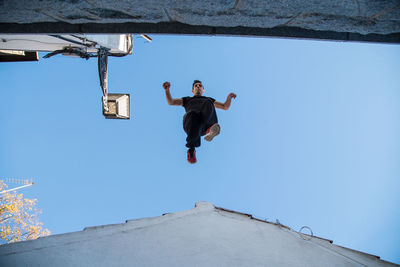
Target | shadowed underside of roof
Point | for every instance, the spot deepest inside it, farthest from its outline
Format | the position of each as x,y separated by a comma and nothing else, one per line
358,20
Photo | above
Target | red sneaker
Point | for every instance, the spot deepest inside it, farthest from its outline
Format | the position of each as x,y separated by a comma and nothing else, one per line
191,156
212,132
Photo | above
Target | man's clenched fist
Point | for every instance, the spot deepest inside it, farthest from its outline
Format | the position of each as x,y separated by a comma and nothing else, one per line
166,85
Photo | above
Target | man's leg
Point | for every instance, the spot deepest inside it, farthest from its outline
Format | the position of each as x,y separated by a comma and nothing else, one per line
208,116
192,126
210,127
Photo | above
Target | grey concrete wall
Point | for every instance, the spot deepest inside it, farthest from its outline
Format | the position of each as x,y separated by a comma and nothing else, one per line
204,236
353,20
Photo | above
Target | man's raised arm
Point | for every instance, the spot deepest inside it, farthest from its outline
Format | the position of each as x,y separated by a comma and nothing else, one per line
227,103
170,100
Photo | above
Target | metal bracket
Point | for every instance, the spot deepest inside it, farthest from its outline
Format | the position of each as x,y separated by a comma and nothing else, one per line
115,106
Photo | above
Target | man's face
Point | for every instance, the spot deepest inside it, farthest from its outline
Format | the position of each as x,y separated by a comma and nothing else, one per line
198,89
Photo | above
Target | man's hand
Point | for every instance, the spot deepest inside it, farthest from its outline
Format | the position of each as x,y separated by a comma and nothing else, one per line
166,85
232,95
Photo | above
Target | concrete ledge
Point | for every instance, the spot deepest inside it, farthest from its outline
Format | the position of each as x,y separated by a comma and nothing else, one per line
180,28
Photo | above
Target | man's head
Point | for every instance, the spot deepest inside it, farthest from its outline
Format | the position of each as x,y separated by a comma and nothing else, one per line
197,88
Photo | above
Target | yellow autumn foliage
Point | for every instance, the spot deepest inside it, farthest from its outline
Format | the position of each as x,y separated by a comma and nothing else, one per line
18,218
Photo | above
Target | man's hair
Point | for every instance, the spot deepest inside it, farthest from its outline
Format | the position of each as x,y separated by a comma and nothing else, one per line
196,81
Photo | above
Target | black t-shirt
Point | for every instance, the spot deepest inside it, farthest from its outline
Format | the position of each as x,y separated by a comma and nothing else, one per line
195,103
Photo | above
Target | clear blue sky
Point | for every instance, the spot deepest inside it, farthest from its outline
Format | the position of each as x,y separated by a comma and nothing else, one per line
313,137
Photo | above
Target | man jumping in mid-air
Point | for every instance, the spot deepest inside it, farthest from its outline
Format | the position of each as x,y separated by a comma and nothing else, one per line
200,118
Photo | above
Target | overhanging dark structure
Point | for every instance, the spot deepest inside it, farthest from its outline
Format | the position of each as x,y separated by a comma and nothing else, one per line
351,20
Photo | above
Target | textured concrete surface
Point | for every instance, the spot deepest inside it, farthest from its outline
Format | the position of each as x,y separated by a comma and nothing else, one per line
360,20
203,236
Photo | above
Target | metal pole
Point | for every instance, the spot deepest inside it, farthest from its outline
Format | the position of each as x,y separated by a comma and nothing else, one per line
16,188
102,65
